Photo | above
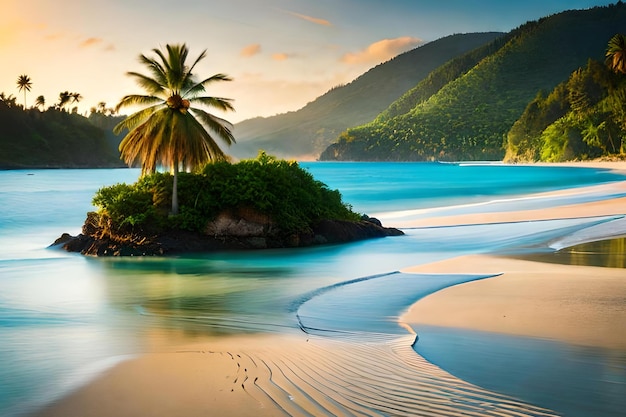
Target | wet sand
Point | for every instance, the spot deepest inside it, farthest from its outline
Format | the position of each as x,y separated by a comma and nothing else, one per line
581,305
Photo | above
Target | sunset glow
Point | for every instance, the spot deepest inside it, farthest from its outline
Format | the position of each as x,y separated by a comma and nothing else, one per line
281,54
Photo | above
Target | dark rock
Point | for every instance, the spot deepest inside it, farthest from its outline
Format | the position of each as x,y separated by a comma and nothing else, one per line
374,220
228,232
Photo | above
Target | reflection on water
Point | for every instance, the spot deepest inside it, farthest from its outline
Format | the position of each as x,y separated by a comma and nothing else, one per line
609,253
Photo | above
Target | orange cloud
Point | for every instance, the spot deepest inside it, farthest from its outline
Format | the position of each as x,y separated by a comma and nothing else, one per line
317,21
280,57
251,50
382,50
90,42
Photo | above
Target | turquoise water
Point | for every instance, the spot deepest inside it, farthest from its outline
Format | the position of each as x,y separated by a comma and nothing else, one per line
65,317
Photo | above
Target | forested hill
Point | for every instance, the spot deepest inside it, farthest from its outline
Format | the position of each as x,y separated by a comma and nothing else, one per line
465,113
307,132
54,139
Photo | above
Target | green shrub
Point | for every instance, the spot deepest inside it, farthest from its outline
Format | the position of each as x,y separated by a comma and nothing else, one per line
280,189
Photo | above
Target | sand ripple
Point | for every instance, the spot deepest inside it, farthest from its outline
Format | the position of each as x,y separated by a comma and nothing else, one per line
353,377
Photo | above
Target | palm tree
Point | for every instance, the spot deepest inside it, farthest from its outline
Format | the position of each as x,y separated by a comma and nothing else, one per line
9,100
168,131
64,99
24,84
616,60
40,102
616,53
76,97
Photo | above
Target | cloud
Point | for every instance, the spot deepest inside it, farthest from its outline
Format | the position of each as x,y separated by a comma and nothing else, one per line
382,50
317,21
89,42
251,50
280,57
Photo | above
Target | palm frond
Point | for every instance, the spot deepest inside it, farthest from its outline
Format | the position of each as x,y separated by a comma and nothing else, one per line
221,127
220,103
203,148
200,87
134,120
151,84
154,67
137,100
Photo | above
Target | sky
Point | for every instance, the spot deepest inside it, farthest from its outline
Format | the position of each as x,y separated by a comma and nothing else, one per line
281,54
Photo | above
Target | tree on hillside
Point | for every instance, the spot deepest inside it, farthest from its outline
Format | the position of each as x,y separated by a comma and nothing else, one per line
616,53
168,131
616,60
64,99
76,97
24,84
40,102
9,100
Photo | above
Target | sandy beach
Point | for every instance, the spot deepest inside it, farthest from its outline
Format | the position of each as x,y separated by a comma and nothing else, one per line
577,304
298,374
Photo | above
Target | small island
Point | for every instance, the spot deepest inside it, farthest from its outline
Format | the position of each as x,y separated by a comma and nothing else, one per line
204,202
254,204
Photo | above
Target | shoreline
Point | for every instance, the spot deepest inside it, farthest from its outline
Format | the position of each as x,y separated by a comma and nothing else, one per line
570,303
581,305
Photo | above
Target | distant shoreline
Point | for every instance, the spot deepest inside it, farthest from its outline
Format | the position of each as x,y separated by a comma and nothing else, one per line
619,166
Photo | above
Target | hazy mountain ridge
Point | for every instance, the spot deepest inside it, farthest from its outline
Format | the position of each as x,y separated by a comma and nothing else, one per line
308,131
470,116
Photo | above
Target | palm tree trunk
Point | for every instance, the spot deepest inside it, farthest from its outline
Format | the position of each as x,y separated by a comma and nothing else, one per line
175,192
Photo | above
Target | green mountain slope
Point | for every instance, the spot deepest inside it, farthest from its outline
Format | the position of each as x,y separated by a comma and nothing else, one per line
582,118
470,116
308,131
53,139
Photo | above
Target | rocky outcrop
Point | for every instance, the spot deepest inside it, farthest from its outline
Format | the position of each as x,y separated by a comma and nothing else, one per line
244,229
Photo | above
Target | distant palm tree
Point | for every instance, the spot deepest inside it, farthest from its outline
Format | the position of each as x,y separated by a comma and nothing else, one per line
76,97
64,99
40,102
616,53
24,84
9,100
168,131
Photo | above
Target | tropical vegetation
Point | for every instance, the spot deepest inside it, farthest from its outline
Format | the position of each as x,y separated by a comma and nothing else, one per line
168,131
52,139
616,53
581,118
468,115
279,189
